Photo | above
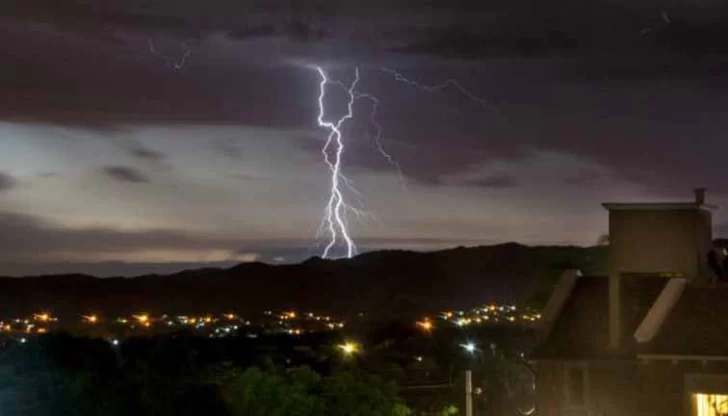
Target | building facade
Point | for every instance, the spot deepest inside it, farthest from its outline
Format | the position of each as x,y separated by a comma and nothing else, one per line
651,337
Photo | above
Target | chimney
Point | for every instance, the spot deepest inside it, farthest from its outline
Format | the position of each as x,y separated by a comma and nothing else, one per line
699,196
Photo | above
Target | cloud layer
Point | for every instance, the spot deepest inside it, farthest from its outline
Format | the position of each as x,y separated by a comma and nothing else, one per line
149,144
7,182
126,174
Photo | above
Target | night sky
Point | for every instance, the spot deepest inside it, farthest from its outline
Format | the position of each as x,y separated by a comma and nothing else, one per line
115,161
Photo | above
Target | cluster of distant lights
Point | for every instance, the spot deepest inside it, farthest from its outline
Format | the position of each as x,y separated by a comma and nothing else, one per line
36,324
486,315
215,326
225,323
291,321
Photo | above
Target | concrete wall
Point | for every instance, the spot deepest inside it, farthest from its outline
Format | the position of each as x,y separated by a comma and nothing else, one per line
629,388
661,389
659,241
611,388
655,241
664,387
550,388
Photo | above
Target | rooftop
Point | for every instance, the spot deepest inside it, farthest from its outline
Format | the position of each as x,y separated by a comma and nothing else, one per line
696,325
698,202
652,206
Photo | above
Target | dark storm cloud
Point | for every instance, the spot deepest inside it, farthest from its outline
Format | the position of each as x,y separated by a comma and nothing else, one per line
228,149
455,42
497,181
548,28
584,178
245,177
520,25
7,182
125,174
561,73
52,75
36,236
33,235
243,19
144,153
36,243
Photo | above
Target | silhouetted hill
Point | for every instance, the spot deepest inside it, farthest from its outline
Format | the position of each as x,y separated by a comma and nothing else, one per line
381,282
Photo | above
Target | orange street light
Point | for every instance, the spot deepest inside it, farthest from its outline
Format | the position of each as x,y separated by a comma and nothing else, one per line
426,325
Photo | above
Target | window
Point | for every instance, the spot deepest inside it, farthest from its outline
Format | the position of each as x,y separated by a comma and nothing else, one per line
709,404
708,394
576,385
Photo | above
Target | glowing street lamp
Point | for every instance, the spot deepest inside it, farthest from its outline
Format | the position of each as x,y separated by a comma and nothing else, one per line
426,325
90,319
143,320
349,348
469,347
43,317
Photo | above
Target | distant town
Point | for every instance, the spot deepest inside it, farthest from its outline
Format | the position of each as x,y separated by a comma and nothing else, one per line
219,326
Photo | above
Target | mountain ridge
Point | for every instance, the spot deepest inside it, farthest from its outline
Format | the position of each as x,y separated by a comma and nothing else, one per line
387,283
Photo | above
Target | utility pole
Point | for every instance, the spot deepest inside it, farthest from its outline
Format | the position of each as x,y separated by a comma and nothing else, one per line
468,393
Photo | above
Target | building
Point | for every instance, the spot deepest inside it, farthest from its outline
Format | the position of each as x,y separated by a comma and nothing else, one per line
651,337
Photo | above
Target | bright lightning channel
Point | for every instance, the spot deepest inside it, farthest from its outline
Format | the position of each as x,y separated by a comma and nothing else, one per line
335,221
337,207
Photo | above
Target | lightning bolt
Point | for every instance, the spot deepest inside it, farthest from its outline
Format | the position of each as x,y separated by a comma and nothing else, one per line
378,136
450,82
335,220
179,65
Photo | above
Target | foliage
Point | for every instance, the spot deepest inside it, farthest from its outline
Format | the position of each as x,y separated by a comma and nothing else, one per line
302,392
449,411
62,375
57,374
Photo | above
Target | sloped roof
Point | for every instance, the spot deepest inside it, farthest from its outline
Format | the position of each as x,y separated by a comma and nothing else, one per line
661,309
697,325
582,329
639,293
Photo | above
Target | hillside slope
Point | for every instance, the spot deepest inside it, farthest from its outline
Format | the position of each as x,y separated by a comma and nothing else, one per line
400,283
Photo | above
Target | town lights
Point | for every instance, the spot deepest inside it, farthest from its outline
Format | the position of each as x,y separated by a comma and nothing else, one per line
463,322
